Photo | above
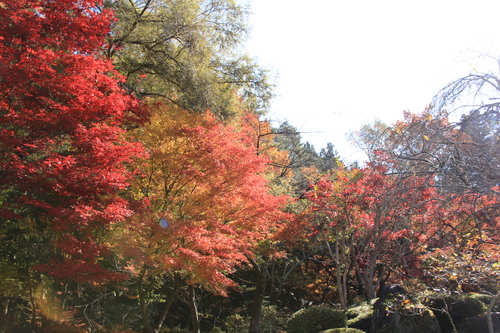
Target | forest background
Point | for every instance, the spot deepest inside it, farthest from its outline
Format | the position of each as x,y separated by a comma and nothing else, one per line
142,187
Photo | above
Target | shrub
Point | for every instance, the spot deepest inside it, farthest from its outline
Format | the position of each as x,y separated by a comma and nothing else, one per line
272,319
237,324
486,299
174,330
360,316
315,320
343,330
466,307
60,328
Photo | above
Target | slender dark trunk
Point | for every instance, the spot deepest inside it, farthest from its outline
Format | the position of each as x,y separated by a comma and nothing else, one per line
272,277
195,320
259,295
64,298
32,299
447,309
287,271
146,326
6,307
340,258
170,300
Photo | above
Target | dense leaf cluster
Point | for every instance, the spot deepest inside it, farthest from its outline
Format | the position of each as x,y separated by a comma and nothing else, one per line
142,188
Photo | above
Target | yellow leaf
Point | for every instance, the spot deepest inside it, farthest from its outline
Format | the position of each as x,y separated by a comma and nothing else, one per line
426,137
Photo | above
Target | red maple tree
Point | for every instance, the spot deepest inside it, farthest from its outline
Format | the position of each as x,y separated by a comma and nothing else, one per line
372,222
62,120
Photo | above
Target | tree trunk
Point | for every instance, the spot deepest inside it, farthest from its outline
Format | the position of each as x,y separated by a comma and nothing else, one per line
447,309
287,272
494,300
146,326
272,277
6,307
366,273
64,297
259,295
32,298
195,320
170,300
341,260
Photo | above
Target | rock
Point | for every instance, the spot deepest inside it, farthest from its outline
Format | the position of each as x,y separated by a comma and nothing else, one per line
397,312
480,324
462,308
416,318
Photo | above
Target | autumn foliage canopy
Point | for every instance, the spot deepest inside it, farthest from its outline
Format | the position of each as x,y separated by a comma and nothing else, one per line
62,120
207,180
137,171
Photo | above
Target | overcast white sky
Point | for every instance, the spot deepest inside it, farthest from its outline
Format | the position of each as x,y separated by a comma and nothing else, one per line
341,63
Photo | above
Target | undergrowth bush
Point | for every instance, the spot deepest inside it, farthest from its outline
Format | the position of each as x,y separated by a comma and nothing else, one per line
315,320
343,330
360,316
237,323
272,319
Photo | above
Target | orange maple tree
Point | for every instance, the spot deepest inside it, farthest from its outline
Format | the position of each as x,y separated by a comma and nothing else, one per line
207,200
